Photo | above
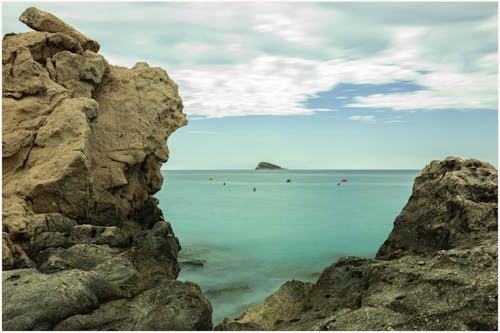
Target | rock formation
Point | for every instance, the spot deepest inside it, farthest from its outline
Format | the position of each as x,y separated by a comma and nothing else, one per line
436,271
85,246
267,166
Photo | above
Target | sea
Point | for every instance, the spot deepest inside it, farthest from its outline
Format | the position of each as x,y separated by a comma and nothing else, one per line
245,233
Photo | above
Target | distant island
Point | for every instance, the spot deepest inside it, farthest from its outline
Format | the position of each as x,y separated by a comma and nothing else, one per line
268,166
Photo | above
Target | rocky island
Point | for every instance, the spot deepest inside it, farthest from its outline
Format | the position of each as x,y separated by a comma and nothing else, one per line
268,166
85,246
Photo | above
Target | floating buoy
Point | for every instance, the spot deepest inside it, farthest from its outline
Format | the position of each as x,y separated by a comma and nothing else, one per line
254,189
288,180
210,178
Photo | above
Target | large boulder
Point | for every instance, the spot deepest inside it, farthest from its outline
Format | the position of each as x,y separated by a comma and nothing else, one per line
438,269
453,205
83,142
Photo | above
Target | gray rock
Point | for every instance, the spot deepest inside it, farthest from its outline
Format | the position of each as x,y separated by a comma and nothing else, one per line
80,256
91,234
35,301
453,204
235,288
171,305
285,304
192,262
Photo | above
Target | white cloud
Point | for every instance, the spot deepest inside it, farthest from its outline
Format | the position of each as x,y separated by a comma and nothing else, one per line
368,118
274,56
446,90
420,100
322,110
264,86
291,28
276,85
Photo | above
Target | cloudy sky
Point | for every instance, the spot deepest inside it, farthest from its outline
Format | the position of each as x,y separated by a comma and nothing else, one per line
310,85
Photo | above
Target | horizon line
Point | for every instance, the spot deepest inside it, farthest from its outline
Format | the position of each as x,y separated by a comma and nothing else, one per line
379,169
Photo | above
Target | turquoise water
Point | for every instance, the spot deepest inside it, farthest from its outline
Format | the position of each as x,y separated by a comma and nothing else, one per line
250,243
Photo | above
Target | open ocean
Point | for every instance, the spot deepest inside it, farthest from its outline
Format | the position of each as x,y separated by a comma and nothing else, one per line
250,243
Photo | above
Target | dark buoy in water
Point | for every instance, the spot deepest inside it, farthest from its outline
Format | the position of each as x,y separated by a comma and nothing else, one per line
288,180
224,184
254,189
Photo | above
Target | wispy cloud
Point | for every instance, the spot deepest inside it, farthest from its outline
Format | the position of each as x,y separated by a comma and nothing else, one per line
368,118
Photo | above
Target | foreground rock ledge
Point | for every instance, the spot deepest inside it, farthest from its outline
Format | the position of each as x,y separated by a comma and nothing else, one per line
436,271
85,246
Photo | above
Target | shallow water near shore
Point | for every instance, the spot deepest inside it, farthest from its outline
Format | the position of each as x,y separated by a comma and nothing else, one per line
240,245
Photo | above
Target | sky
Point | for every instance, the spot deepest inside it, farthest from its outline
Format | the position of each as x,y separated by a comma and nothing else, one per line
310,85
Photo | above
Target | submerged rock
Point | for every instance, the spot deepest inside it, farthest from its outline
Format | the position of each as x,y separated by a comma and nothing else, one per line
227,290
437,270
83,142
193,262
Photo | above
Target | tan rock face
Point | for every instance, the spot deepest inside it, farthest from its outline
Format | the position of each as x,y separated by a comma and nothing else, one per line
83,142
80,137
41,21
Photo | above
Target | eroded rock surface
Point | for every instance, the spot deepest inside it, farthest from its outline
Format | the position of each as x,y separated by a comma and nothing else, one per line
83,142
437,270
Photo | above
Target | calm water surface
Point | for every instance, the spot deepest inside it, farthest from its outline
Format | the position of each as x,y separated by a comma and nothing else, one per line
252,242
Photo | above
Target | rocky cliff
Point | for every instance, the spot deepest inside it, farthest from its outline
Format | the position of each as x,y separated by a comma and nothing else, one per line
85,246
436,271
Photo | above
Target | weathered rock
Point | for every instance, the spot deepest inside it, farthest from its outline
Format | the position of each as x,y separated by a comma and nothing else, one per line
36,301
285,304
172,305
81,138
79,256
438,269
453,204
83,142
42,21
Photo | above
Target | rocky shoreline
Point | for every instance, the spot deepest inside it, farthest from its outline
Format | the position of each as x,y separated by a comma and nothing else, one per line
436,271
85,246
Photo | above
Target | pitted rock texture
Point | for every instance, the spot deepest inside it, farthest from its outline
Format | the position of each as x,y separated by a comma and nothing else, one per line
454,204
83,142
437,270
